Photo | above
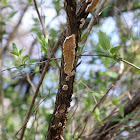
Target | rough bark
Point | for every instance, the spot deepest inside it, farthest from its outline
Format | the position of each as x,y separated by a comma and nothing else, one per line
63,97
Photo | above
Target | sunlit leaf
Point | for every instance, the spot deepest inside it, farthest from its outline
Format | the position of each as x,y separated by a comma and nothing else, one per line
103,53
12,14
14,52
84,35
44,49
112,74
21,51
115,101
16,60
121,110
104,40
15,48
97,111
24,58
115,50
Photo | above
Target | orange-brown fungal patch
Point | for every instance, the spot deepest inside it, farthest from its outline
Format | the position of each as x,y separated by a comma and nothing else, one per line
69,53
65,87
82,23
92,5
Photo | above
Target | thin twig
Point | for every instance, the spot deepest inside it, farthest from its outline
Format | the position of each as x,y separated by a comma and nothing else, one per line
37,89
30,82
30,116
42,24
95,55
13,33
89,91
2,116
121,59
44,30
33,100
31,129
56,62
130,64
92,21
30,64
94,110
38,86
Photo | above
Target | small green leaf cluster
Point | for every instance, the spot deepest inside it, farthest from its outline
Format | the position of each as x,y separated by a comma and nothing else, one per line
17,53
121,110
84,35
97,114
44,43
106,46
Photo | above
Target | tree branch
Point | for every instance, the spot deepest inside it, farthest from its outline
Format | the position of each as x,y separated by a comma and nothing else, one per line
63,98
128,108
93,20
37,90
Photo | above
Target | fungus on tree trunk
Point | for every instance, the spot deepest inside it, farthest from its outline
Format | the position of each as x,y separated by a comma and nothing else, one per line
82,23
92,5
69,46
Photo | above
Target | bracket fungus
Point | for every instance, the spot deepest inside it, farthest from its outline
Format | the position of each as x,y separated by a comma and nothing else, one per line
70,74
54,126
59,124
82,23
65,87
88,1
69,46
61,108
92,5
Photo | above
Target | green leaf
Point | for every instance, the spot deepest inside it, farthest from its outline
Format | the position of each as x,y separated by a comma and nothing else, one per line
44,49
43,41
36,69
33,60
115,50
12,14
122,128
16,60
112,74
24,58
121,110
5,2
29,1
21,51
39,40
104,40
129,116
14,52
102,53
115,101
97,111
115,119
14,46
84,35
